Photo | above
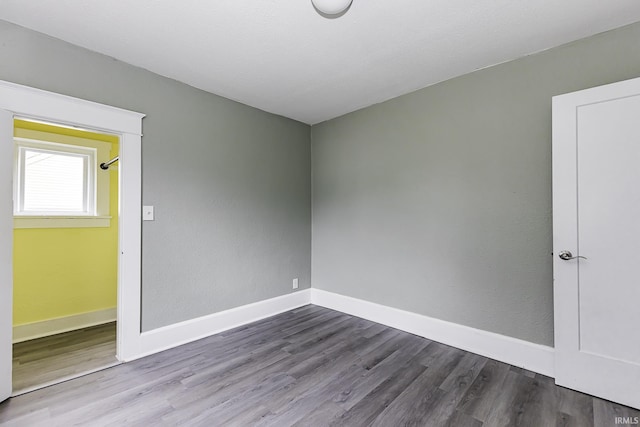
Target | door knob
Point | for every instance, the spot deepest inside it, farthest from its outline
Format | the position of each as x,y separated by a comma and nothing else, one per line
567,255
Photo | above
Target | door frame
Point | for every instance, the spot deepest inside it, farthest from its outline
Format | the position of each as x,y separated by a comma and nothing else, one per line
43,105
565,237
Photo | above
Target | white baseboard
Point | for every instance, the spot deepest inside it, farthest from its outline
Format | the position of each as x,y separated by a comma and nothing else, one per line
534,357
59,325
191,330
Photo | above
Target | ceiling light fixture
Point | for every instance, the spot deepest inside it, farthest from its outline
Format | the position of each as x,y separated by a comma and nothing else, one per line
331,7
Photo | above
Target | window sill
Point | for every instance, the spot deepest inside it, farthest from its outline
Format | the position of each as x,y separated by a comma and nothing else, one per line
61,221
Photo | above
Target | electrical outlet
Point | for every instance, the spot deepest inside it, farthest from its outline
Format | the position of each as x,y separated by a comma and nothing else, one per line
295,283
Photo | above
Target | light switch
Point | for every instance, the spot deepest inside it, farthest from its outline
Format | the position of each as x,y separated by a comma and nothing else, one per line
147,213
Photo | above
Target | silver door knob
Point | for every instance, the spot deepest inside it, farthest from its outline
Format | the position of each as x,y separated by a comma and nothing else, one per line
567,255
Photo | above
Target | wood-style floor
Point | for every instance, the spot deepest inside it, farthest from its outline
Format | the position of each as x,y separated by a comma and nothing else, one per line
311,367
58,357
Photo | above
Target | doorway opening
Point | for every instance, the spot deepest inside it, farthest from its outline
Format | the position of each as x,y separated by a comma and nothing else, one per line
65,253
36,104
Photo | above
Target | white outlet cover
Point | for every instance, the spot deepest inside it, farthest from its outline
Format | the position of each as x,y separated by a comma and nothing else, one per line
295,283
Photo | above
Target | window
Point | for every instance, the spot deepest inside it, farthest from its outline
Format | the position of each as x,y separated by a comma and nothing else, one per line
58,183
54,179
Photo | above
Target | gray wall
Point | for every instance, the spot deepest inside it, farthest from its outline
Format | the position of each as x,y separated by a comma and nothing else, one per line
231,184
439,202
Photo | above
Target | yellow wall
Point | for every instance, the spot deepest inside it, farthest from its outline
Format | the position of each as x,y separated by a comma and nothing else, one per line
59,272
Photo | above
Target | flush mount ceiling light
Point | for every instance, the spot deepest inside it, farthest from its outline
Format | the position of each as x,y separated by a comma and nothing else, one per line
331,7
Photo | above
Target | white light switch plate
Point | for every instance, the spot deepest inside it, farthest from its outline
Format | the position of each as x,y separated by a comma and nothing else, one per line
147,213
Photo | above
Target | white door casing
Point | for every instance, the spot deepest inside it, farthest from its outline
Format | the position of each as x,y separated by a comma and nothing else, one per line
23,101
596,214
6,249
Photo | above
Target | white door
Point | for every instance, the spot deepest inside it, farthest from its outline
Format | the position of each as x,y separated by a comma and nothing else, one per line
596,215
6,250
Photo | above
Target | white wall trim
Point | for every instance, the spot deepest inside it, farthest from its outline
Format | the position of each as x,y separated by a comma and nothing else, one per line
6,250
45,328
67,110
191,330
534,357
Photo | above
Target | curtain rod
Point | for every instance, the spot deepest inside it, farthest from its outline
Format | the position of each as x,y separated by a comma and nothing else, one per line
105,166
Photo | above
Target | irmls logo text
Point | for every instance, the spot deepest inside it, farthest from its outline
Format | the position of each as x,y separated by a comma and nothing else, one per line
628,420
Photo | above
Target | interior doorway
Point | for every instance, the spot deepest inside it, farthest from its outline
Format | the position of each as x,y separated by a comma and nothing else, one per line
23,101
65,244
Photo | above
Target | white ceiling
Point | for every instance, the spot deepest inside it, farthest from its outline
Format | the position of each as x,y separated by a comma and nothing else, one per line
283,57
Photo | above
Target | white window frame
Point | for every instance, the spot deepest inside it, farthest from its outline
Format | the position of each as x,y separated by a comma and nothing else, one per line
89,190
97,193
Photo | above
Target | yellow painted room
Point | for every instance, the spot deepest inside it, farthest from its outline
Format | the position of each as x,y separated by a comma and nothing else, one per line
65,266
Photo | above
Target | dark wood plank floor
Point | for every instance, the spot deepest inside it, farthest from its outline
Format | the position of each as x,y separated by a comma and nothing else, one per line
47,360
311,367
